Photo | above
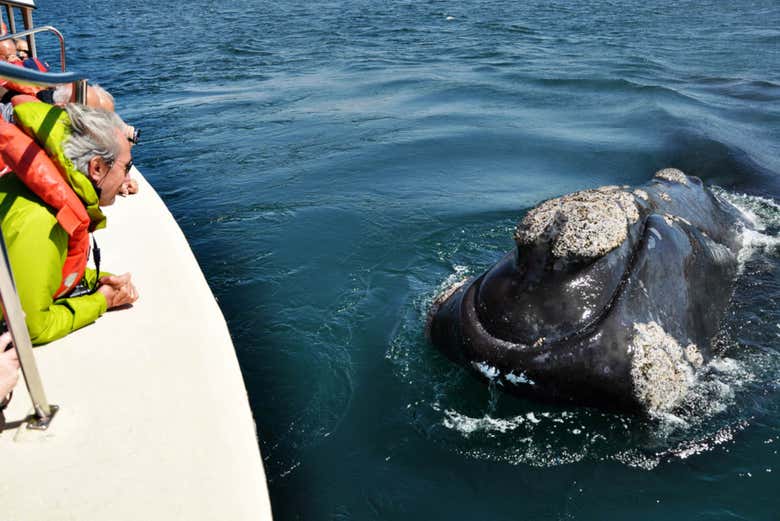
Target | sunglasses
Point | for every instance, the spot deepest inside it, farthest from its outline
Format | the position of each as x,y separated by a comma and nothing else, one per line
128,167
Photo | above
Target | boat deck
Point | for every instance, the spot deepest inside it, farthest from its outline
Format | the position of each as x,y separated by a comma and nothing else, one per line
154,421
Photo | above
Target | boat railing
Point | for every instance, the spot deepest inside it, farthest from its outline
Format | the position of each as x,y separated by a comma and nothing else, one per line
43,28
44,79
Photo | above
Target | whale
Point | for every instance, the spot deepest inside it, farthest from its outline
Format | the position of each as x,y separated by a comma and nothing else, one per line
612,297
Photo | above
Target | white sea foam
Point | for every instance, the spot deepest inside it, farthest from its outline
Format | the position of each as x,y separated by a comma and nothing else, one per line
763,214
450,285
468,425
720,437
518,379
754,241
490,372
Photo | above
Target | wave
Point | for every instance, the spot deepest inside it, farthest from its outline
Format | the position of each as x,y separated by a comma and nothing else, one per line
739,88
696,152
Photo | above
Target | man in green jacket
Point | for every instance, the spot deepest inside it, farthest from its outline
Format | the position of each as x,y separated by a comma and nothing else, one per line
96,158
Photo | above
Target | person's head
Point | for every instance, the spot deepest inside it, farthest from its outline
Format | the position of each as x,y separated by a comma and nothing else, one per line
22,49
98,148
97,97
100,98
8,51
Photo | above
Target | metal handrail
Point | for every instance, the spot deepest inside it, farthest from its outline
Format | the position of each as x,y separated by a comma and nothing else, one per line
14,318
33,77
49,79
39,30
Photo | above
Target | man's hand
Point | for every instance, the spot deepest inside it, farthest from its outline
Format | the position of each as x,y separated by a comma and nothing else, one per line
9,366
129,187
118,290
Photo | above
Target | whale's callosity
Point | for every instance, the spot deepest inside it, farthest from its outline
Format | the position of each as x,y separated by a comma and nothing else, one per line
612,296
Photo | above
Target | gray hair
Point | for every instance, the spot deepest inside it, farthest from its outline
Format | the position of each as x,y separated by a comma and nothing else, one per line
61,94
92,133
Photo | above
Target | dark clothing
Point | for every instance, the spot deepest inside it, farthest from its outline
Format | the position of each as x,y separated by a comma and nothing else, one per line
36,64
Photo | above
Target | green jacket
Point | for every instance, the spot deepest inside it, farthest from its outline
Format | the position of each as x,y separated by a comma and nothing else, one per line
38,245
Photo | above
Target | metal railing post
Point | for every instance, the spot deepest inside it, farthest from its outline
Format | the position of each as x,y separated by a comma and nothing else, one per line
14,319
9,11
80,88
28,24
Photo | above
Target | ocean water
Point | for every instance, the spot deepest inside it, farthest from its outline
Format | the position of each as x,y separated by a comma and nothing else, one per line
335,164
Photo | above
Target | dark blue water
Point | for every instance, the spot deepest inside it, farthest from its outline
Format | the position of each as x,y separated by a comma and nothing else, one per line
333,164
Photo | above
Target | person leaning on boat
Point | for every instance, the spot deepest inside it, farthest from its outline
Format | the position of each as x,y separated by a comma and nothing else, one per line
92,159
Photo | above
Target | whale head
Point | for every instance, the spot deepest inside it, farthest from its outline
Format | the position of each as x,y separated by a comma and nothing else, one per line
603,295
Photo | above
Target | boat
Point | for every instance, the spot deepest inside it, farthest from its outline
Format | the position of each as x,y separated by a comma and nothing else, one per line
143,414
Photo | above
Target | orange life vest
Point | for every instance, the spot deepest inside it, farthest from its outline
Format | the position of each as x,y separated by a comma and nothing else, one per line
34,168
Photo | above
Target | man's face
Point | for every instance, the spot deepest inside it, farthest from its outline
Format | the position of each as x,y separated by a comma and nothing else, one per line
8,51
21,50
110,177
